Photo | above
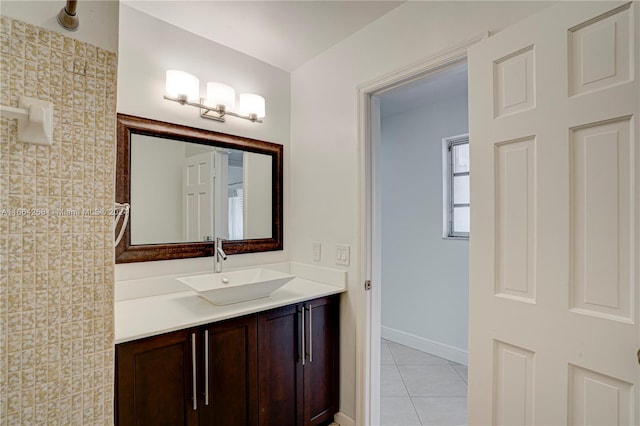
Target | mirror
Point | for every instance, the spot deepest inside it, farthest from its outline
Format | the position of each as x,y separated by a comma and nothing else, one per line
186,186
192,192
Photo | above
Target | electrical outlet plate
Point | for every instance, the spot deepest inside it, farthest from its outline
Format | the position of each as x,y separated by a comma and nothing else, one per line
343,254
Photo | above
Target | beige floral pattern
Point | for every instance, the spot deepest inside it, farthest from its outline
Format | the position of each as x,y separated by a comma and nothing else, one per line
56,239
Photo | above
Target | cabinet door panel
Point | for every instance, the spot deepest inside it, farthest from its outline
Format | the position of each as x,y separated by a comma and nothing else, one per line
233,371
153,381
321,368
280,369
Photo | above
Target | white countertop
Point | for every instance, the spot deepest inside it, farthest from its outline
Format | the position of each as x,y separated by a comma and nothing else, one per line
153,306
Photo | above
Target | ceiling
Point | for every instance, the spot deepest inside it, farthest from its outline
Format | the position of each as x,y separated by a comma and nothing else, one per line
285,34
434,88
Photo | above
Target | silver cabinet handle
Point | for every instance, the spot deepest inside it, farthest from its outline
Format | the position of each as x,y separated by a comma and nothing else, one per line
310,333
206,367
303,346
194,371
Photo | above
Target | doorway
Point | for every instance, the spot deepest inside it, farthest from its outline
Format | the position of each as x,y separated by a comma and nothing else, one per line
424,190
370,321
541,349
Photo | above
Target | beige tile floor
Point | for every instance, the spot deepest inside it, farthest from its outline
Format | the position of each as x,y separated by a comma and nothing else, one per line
420,389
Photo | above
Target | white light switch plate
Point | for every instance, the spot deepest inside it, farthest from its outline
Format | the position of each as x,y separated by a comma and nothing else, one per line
343,255
317,252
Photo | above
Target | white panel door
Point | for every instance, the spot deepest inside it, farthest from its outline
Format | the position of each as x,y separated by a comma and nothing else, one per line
554,280
198,195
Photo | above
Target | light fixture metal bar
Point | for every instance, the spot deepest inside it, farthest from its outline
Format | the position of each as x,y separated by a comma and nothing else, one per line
252,117
182,100
207,111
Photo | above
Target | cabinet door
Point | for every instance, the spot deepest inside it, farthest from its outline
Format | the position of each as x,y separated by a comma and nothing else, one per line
280,369
154,381
321,369
229,352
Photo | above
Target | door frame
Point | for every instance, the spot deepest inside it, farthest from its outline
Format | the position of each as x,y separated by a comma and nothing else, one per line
368,318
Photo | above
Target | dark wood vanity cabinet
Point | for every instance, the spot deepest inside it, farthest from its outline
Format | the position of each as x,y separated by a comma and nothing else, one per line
280,377
278,367
299,363
229,391
322,365
154,381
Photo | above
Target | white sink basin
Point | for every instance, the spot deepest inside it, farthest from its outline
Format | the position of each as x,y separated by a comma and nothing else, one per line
225,288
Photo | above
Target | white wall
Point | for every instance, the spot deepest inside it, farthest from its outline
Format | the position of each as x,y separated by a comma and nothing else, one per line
156,186
149,47
324,175
425,278
98,19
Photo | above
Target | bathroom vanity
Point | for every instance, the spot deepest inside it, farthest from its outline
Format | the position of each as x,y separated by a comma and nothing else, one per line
270,361
182,360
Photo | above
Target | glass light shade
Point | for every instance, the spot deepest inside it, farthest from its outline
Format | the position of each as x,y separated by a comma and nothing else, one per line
252,104
182,83
220,94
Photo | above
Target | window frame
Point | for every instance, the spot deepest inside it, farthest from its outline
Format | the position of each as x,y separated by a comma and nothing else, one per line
448,187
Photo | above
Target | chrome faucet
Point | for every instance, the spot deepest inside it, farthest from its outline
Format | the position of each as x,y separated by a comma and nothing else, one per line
219,254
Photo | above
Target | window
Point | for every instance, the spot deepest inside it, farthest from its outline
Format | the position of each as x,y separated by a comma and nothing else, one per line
456,186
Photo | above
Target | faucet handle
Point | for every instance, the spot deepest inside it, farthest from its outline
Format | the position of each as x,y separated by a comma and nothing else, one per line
219,250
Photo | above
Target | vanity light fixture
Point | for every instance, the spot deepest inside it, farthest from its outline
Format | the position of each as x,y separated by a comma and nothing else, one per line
184,88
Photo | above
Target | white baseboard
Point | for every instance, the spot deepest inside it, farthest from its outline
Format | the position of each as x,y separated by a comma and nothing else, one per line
342,419
442,350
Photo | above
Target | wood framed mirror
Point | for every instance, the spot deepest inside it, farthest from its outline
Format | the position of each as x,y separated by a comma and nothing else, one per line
186,186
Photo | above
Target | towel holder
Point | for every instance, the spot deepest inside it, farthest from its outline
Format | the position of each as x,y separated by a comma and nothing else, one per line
35,120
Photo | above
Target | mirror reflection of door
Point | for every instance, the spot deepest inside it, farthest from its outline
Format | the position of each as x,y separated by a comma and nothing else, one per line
198,195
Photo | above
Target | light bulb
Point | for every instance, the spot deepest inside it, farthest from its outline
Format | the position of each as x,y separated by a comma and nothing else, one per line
252,104
220,94
180,83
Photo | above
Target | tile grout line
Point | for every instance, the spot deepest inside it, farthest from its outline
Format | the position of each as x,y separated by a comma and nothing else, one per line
460,375
391,352
412,397
405,385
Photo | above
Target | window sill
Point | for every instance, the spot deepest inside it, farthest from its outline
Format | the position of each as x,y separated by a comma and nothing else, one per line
453,237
